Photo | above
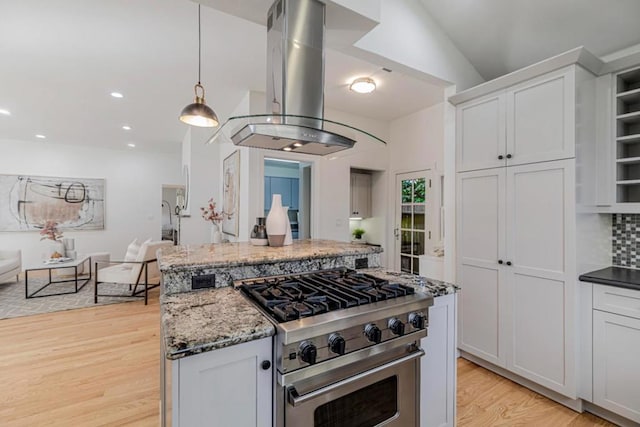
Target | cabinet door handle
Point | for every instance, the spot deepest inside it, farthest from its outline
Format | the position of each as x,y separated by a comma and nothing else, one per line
508,262
509,156
500,157
500,261
266,364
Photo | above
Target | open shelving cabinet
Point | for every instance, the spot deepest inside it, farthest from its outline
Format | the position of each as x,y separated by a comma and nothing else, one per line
627,105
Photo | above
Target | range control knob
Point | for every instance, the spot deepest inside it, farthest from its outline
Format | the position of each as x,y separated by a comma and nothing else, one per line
337,344
308,352
417,320
373,333
396,326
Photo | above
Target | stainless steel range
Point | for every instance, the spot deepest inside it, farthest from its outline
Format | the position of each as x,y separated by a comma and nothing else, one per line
346,349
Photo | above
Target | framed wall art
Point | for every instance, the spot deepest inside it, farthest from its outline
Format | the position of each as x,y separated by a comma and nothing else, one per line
231,193
27,202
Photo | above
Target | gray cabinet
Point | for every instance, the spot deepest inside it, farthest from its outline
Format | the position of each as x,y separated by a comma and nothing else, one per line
360,195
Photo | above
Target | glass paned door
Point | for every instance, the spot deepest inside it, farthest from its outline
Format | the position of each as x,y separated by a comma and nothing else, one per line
412,233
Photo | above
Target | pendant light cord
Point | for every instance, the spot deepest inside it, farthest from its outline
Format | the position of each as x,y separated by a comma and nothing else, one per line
199,43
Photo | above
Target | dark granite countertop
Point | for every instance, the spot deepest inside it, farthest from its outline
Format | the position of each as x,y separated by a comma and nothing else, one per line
620,277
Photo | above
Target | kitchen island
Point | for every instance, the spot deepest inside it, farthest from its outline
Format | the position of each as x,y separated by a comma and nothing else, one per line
222,329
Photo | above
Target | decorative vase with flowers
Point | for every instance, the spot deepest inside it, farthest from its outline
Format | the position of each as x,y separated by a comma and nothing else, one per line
209,213
52,240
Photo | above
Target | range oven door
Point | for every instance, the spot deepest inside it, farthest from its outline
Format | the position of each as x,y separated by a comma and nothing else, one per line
385,395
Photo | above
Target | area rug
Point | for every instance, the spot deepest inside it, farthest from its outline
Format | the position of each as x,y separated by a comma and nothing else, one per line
14,304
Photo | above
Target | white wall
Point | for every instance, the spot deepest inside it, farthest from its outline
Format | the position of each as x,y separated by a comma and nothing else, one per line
416,143
407,35
133,191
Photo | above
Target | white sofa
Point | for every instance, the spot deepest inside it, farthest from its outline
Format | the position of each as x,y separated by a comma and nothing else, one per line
142,272
10,265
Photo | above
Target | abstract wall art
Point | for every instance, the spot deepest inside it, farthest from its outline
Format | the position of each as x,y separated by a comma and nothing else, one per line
27,202
231,193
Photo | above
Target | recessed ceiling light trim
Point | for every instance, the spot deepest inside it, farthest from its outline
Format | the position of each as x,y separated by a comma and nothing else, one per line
131,145
126,127
363,85
5,112
117,95
40,136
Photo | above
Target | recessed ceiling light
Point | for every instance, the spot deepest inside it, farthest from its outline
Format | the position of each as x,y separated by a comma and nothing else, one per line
117,95
40,136
131,145
363,85
287,148
126,127
5,112
297,144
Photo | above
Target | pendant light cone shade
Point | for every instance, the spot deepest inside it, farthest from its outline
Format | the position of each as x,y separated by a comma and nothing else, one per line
199,113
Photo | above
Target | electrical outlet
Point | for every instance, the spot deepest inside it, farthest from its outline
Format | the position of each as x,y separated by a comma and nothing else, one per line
203,281
362,263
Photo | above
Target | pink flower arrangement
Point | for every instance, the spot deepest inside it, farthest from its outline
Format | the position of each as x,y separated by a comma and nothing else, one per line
50,231
209,213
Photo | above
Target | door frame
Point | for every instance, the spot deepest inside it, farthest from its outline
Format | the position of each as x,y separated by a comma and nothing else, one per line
397,211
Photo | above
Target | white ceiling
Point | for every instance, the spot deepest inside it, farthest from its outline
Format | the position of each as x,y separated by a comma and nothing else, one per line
501,36
60,61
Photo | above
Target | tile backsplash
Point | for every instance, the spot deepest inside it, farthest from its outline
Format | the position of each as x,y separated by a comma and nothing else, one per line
625,244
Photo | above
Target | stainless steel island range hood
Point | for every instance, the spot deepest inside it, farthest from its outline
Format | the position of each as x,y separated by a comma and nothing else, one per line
294,120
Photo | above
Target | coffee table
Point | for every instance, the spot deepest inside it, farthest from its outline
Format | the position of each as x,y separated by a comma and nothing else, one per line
80,260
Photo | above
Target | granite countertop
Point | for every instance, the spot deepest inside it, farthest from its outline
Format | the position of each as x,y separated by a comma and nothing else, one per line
436,288
196,322
201,321
620,277
243,253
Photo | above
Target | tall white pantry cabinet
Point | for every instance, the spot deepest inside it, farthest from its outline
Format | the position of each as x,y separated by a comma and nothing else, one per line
523,157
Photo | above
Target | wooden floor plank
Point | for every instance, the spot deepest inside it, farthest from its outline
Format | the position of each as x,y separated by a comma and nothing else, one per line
99,366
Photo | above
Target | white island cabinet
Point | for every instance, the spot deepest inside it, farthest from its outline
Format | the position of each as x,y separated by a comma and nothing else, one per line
616,350
438,366
225,387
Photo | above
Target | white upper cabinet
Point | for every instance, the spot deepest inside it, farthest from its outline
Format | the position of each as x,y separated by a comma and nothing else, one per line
527,123
360,195
541,119
480,133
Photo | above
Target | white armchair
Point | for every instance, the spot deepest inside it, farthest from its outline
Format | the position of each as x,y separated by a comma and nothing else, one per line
10,265
143,272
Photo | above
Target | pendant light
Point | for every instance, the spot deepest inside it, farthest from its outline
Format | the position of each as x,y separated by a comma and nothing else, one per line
199,113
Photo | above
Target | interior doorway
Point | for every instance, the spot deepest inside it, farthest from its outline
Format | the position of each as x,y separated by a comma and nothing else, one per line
171,196
292,180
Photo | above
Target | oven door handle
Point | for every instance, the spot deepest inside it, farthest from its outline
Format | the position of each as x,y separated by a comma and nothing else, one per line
296,400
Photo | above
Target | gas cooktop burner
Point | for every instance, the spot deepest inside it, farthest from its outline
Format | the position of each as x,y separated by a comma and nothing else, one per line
296,296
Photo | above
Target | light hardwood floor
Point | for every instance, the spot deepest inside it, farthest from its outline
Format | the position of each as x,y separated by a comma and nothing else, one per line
99,366
487,399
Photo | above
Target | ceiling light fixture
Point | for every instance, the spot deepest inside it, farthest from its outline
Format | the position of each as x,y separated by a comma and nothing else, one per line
287,148
117,95
5,112
363,85
126,127
199,113
40,136
131,145
297,144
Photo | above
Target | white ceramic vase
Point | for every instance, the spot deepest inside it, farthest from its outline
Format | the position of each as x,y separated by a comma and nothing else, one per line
216,235
277,221
51,247
288,237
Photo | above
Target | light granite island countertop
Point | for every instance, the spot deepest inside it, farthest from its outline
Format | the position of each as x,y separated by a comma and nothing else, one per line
201,321
185,268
